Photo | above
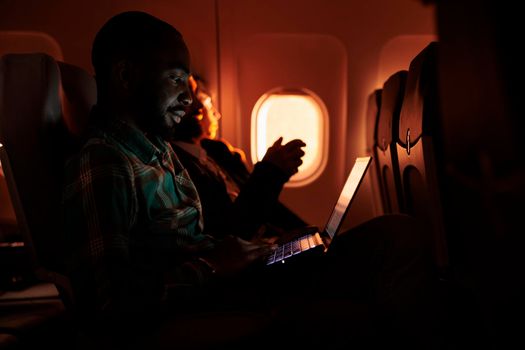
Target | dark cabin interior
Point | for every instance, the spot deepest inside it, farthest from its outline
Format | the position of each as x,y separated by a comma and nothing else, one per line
445,139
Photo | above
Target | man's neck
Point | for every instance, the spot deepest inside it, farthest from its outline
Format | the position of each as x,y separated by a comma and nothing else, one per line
121,113
192,148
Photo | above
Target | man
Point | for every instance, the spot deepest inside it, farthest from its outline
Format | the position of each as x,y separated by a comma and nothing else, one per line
131,211
133,216
235,200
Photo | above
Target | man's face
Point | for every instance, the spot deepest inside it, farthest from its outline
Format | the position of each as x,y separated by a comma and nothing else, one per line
162,94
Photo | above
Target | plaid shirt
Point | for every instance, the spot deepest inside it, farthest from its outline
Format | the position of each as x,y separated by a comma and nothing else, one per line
132,217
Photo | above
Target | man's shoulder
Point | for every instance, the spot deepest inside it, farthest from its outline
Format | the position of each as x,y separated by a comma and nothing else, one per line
98,149
101,142
183,155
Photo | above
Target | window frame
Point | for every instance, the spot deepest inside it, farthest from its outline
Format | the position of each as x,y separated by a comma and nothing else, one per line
324,135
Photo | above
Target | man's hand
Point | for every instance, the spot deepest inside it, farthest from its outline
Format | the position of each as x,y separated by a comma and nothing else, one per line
233,254
286,157
276,235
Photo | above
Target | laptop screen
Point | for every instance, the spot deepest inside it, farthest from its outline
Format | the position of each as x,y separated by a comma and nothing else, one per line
347,195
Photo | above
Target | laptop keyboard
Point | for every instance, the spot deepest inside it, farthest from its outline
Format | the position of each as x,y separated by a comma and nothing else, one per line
294,247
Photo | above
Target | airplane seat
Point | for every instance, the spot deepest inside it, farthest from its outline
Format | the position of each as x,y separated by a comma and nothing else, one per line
386,150
426,191
39,97
373,108
419,151
78,93
418,146
38,130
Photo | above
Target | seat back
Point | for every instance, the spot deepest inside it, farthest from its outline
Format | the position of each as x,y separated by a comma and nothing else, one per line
386,150
44,105
372,114
419,137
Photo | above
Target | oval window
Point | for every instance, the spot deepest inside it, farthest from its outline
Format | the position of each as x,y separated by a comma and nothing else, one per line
292,114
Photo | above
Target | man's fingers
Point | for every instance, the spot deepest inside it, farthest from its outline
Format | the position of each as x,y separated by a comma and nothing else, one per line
251,246
261,252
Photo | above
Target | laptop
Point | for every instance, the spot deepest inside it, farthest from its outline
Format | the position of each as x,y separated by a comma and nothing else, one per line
319,242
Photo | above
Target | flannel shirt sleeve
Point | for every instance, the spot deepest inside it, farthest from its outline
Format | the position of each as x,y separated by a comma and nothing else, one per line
99,210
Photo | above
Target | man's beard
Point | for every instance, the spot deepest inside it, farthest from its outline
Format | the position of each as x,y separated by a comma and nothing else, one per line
152,119
187,130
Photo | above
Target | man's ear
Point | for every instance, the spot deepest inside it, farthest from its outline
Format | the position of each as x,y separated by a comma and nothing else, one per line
123,73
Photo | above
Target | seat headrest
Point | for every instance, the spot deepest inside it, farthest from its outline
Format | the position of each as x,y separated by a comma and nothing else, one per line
420,104
44,104
40,85
79,94
29,85
392,100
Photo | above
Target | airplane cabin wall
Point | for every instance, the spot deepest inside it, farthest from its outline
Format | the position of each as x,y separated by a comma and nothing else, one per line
74,25
362,28
218,32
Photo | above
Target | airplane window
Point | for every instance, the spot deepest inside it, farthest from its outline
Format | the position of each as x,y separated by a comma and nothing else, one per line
292,114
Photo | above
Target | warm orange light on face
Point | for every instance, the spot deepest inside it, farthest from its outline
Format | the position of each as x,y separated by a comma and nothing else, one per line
209,116
292,116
